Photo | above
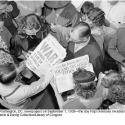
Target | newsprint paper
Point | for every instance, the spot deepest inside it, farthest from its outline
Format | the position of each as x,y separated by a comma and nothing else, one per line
48,53
63,72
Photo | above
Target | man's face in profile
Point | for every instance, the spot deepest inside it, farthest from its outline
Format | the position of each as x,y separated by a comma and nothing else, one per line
75,35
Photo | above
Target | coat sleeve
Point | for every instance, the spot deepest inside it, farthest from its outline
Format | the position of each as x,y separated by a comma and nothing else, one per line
97,65
76,19
113,51
26,91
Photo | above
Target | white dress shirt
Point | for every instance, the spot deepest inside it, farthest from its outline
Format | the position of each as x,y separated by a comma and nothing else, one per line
81,45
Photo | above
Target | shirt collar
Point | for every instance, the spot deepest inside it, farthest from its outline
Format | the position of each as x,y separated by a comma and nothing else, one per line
84,44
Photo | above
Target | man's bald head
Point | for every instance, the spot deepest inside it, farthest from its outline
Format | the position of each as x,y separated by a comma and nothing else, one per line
80,31
84,29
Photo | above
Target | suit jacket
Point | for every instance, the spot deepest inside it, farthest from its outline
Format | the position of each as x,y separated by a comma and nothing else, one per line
92,50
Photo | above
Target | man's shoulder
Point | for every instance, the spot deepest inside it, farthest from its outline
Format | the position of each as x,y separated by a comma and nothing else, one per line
94,48
93,44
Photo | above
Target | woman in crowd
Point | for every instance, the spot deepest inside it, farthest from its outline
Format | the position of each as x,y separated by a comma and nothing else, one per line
31,30
15,95
9,11
85,9
90,94
96,19
81,16
115,84
5,57
117,95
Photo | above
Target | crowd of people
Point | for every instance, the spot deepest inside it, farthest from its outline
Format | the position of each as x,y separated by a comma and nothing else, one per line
90,30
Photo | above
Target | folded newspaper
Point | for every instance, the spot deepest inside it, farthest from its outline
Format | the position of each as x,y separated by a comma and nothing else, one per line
46,55
63,72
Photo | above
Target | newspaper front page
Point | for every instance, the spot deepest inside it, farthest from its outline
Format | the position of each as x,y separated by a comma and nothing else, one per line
48,53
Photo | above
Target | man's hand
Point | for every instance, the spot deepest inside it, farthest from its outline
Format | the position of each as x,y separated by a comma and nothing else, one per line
21,67
26,54
100,78
27,73
45,79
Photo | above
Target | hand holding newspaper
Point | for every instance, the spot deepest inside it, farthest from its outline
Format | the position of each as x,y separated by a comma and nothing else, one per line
47,54
63,72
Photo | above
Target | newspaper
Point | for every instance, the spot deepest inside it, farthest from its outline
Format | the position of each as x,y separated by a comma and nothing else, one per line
63,72
46,55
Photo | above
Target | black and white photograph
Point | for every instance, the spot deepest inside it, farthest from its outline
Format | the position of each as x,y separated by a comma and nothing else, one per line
62,55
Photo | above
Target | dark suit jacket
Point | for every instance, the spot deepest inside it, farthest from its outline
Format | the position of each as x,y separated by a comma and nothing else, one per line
92,50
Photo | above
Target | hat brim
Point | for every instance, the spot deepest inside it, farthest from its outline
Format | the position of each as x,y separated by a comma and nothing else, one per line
56,4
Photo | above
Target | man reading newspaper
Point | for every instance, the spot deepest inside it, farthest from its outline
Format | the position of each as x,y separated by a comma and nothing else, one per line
79,42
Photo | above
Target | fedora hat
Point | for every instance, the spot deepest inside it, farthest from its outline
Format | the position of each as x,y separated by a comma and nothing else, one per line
56,4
